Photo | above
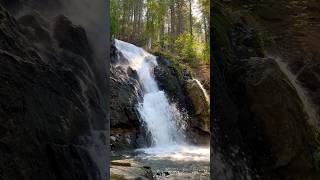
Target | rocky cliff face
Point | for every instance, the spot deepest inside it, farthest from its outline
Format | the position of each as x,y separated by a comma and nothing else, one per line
52,99
261,127
182,89
293,30
127,131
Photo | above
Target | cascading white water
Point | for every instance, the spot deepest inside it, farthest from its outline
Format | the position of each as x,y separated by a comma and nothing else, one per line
309,107
160,117
203,90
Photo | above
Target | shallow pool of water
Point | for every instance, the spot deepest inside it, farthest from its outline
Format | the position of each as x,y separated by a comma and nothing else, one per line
175,162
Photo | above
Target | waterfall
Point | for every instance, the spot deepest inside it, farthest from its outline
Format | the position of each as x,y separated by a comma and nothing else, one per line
309,107
159,115
162,119
203,90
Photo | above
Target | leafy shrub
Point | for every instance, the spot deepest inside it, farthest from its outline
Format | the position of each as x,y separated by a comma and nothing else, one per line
185,47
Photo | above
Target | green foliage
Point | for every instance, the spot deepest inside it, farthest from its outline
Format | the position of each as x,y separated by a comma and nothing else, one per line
164,26
164,54
205,56
190,50
204,7
179,68
113,16
185,47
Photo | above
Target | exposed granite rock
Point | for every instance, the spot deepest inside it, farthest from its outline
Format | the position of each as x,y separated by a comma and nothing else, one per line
52,112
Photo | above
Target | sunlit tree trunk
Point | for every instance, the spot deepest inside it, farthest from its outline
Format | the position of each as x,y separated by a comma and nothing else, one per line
206,34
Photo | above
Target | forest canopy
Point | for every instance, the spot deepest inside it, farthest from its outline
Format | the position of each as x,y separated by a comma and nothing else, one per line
177,28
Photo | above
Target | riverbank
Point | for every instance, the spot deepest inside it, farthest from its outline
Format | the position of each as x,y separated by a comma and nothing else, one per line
180,162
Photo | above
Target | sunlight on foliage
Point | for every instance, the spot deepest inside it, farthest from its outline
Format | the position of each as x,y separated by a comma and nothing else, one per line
167,26
189,50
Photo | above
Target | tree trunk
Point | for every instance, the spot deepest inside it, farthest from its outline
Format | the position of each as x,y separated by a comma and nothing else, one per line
180,20
172,24
140,11
190,16
161,36
206,35
135,21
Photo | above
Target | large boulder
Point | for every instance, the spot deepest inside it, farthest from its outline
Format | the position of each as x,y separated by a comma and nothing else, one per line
201,104
171,78
276,117
176,80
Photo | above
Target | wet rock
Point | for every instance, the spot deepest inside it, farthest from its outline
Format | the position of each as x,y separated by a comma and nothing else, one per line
71,37
172,80
112,138
129,169
120,163
52,111
177,82
38,28
125,95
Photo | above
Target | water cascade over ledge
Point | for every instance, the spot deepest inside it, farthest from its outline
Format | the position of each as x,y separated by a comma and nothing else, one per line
162,119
